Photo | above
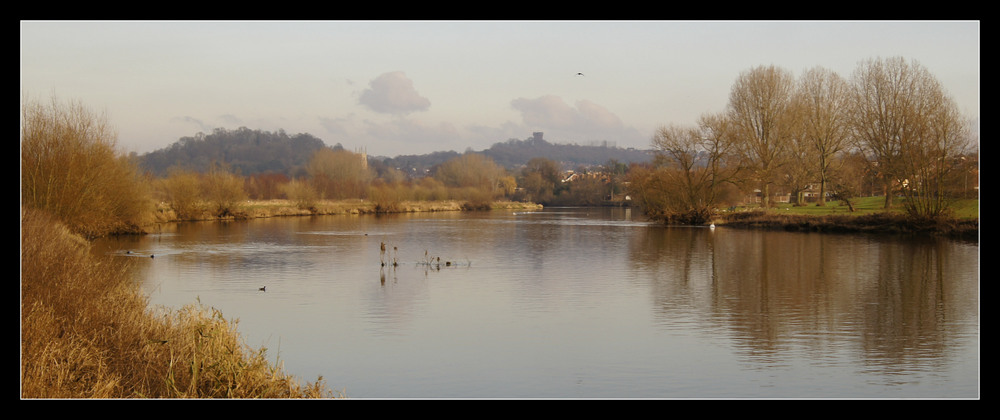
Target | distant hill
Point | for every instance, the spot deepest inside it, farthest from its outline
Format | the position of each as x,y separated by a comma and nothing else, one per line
254,151
514,153
244,150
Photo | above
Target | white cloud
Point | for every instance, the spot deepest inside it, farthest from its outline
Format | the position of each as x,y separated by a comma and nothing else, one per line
394,136
585,121
595,117
393,93
546,112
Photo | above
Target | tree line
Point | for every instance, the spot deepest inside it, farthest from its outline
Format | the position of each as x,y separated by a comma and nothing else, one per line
891,123
72,168
333,173
252,151
516,153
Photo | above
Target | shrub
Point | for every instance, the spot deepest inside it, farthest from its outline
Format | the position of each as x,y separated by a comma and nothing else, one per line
302,194
388,198
224,191
183,190
70,167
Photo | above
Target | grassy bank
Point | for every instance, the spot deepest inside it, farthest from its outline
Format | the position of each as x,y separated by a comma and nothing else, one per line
88,332
963,209
278,208
869,216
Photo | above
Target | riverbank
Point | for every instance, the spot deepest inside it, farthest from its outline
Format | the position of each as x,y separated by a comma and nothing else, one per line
87,331
255,209
868,221
884,223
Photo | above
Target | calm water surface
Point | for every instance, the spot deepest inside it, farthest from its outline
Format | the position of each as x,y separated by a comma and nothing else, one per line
580,303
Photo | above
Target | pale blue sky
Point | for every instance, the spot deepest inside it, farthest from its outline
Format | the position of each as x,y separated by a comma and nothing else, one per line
414,87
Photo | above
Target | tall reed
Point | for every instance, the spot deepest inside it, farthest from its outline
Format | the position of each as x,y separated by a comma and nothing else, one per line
88,332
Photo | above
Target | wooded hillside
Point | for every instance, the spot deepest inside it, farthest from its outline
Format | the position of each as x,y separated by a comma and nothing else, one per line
515,153
250,152
244,150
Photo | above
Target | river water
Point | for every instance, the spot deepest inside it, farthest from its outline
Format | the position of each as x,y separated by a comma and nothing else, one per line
580,303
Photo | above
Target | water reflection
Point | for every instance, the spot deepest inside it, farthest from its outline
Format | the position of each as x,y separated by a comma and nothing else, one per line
582,302
893,306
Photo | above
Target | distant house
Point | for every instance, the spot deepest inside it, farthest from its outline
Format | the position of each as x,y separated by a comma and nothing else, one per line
573,176
811,193
808,195
755,197
576,176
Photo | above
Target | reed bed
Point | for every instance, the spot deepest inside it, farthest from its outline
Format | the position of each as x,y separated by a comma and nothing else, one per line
281,207
88,332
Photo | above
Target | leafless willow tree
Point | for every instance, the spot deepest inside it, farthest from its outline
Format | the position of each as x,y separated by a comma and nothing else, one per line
906,122
760,110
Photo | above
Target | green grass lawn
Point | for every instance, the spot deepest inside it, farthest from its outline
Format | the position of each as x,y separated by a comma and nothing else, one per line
967,209
964,209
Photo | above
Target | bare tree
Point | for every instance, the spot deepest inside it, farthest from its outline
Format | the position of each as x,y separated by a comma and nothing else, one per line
760,111
692,167
678,153
934,156
800,171
850,177
880,94
541,179
905,121
468,170
479,178
823,99
718,140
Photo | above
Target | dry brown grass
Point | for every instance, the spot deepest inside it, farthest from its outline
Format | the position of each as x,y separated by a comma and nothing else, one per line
280,207
87,332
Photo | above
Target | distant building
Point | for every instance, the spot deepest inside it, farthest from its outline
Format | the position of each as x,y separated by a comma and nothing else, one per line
364,157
